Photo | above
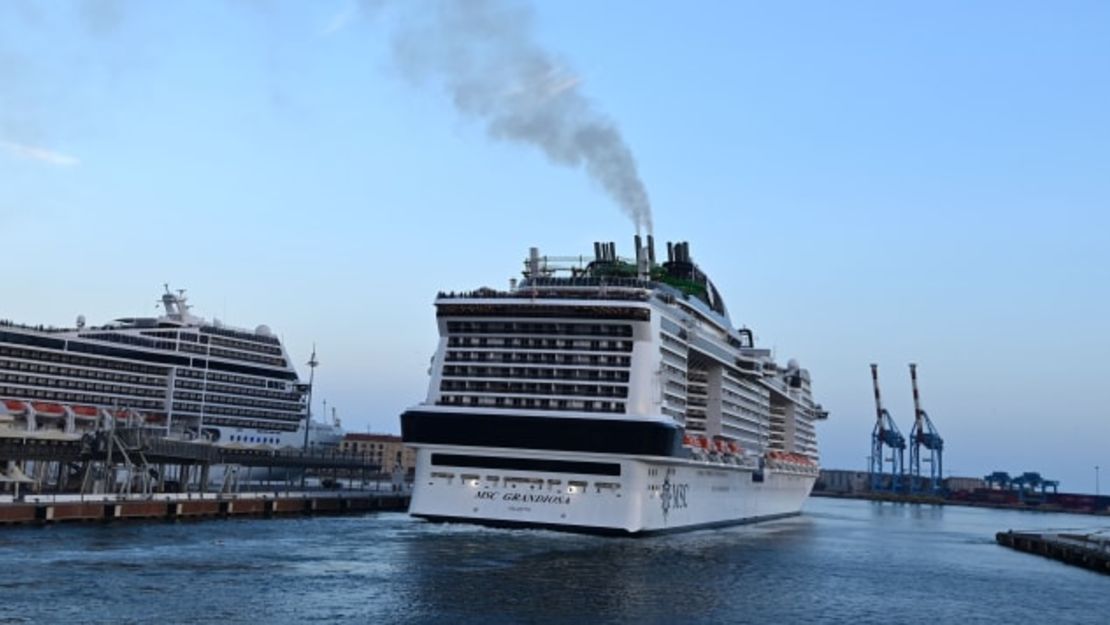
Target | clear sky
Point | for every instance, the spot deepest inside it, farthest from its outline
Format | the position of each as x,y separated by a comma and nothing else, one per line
865,182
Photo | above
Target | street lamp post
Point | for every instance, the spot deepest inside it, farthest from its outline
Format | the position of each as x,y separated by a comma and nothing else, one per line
312,363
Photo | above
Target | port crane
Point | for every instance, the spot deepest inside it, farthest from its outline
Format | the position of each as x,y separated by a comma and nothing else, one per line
924,438
1027,484
885,435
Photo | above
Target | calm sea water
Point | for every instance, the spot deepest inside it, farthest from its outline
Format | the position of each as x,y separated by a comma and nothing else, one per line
841,562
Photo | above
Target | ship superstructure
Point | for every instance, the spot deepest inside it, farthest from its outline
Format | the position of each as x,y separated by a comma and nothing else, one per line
178,372
608,394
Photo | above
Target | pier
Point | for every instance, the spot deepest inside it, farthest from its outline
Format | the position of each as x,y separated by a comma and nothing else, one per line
133,473
44,509
1090,551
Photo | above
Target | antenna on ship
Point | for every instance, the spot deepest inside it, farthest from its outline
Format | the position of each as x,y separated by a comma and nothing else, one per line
169,302
924,435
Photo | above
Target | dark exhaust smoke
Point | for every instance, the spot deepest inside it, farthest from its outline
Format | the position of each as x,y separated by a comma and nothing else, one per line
484,54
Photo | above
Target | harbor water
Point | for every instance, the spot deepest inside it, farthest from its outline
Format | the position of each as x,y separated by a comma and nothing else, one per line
842,561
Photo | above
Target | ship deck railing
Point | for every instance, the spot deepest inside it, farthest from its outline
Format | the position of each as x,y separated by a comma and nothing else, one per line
639,295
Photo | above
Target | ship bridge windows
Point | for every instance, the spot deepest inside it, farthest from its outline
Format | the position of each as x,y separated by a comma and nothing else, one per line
243,336
46,393
605,375
534,388
532,403
210,409
200,363
540,343
251,423
538,310
79,360
539,328
130,339
249,346
31,340
7,364
590,360
131,354
237,355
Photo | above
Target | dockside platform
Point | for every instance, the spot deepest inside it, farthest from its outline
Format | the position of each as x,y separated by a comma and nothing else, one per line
1088,550
46,509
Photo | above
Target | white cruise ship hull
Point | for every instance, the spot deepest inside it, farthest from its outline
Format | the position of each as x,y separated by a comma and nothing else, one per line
608,395
648,494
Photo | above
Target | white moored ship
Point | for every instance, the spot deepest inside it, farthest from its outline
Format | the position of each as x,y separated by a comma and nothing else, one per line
608,395
178,373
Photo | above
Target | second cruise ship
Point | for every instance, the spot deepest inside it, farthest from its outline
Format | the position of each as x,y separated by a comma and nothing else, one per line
610,395
179,373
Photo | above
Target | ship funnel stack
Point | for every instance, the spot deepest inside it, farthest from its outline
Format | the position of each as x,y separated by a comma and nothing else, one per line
885,435
681,253
533,262
670,252
643,268
651,249
926,446
605,252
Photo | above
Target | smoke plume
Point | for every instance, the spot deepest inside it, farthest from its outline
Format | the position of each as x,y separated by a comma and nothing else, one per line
484,55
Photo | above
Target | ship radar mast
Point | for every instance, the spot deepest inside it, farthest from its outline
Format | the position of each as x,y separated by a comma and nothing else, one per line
177,305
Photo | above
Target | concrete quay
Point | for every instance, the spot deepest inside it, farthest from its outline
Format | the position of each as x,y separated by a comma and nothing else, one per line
1090,551
60,508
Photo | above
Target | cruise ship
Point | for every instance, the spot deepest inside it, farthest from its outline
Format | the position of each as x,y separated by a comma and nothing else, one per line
190,378
608,395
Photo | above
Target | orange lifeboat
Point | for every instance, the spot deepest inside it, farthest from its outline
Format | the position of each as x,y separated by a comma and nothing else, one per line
121,415
15,407
84,412
44,409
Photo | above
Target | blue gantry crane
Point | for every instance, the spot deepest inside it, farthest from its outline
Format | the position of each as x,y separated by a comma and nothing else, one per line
924,438
885,435
1027,484
999,480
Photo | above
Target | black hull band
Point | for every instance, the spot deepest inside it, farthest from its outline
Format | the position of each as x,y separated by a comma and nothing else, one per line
603,436
526,464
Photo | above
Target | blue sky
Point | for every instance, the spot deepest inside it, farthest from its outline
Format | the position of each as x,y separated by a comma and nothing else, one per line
865,181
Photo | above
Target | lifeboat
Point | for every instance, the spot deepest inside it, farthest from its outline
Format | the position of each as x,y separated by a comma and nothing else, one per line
15,407
44,409
122,414
85,412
